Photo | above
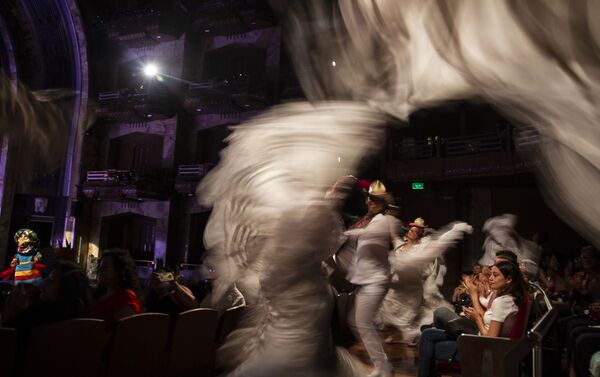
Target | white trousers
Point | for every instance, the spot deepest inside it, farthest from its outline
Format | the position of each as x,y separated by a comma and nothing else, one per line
362,321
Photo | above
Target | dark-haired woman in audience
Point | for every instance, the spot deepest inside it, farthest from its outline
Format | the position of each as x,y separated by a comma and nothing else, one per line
116,297
508,281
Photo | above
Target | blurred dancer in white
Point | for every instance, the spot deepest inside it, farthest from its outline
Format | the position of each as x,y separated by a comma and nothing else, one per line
501,235
372,275
403,306
271,226
432,296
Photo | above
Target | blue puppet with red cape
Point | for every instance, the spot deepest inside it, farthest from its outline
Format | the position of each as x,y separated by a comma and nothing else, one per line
25,266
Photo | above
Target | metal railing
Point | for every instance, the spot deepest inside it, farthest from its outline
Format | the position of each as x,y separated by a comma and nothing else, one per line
526,136
482,143
109,96
111,175
538,331
202,84
411,148
123,94
197,170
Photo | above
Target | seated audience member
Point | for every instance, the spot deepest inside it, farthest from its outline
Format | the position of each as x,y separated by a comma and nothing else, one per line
65,294
476,271
165,294
506,255
482,297
458,291
507,280
554,279
475,293
480,275
116,296
585,345
585,286
483,282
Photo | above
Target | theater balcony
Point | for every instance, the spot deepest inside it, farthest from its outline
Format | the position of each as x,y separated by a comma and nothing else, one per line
233,95
134,105
143,27
226,17
488,154
188,177
124,185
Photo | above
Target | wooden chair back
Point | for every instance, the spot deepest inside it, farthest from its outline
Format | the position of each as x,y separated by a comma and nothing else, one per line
8,339
485,356
138,346
229,321
192,344
68,348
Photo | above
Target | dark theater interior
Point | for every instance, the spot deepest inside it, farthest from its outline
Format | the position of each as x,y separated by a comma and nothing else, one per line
269,188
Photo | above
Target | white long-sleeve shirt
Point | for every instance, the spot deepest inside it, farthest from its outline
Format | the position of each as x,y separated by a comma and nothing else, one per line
371,263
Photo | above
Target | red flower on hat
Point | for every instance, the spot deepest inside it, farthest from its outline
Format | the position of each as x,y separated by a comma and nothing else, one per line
363,184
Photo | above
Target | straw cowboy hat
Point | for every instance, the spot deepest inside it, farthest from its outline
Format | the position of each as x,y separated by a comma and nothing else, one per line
419,223
377,190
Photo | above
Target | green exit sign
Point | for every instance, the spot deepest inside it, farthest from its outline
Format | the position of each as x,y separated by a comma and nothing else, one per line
418,185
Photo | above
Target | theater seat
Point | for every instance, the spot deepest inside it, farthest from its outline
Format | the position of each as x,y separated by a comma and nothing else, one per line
229,322
446,364
138,346
8,339
191,348
69,348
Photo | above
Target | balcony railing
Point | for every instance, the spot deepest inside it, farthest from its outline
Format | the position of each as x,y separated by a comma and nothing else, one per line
134,105
188,177
122,185
141,27
526,137
472,155
226,96
413,149
230,17
462,145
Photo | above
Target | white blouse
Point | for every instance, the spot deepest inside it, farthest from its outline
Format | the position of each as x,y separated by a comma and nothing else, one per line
502,307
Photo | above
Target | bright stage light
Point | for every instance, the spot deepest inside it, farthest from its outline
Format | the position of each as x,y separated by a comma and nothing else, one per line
150,70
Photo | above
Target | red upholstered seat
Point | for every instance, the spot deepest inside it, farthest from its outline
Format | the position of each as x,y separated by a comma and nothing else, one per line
521,318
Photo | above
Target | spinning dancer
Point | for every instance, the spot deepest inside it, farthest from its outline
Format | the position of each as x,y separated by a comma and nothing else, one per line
501,235
271,227
403,305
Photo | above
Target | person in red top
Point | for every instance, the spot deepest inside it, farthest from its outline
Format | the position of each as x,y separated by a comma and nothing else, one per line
117,285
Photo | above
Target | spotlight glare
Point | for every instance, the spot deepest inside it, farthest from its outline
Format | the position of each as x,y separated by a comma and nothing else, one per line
150,70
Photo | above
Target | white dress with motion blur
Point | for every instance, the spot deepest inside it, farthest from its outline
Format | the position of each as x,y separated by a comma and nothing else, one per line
271,227
404,306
